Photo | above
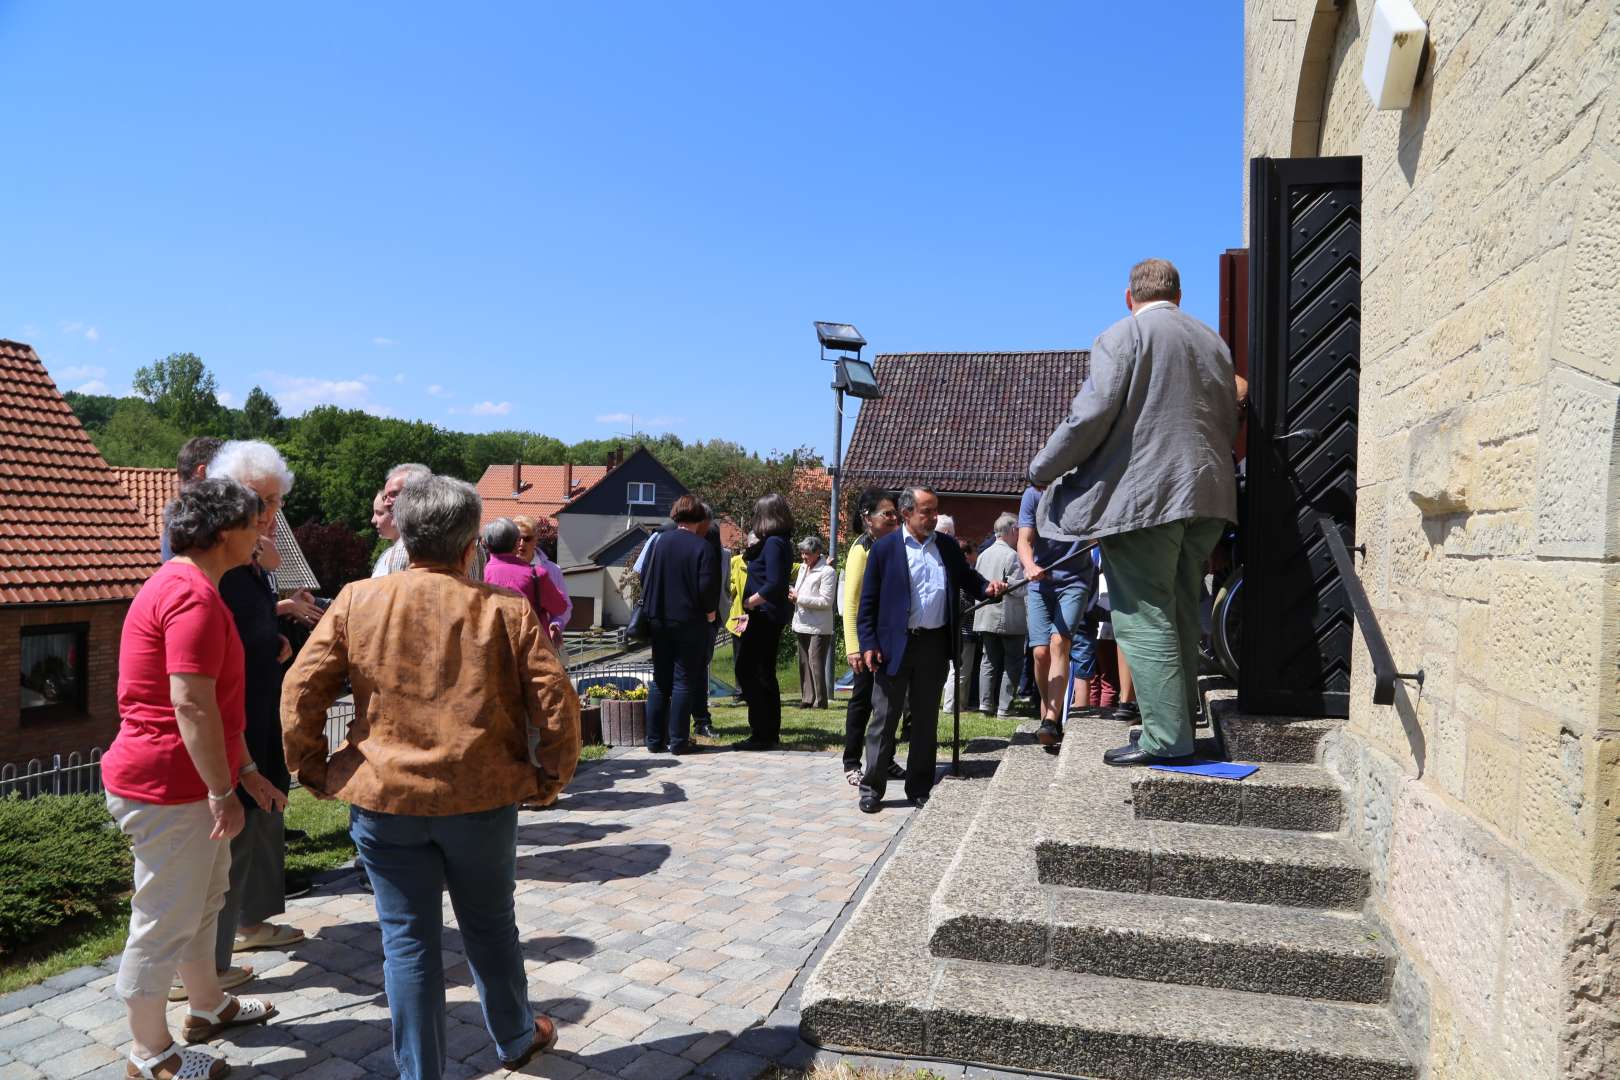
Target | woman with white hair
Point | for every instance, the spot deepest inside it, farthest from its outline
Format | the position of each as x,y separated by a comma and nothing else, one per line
258,877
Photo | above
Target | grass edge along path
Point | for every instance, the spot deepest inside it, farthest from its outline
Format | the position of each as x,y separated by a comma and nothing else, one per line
92,940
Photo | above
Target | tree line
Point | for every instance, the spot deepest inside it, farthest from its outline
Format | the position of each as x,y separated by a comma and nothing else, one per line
340,455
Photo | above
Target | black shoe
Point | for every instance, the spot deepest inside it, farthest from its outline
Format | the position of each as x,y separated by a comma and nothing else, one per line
705,730
1128,711
1048,734
896,771
755,744
659,749
919,802
1135,755
870,806
294,887
688,748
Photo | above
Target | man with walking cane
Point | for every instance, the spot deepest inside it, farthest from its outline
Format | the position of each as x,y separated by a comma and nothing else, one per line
1143,463
907,626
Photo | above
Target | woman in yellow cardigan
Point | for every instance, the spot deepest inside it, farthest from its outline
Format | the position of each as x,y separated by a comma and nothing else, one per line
877,519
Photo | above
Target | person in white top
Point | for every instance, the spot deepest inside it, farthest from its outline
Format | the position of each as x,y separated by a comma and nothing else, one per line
813,602
393,560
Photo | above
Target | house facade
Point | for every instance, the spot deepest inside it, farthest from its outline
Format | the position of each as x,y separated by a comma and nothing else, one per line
600,532
74,550
1488,499
965,424
536,491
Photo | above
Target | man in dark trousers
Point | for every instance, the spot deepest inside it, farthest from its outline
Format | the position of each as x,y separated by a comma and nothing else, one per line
908,629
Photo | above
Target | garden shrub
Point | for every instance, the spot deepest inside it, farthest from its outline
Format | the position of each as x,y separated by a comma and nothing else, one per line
61,858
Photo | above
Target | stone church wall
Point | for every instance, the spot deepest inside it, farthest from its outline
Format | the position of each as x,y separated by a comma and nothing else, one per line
1489,501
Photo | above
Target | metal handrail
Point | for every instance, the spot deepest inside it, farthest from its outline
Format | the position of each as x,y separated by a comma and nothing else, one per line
1385,676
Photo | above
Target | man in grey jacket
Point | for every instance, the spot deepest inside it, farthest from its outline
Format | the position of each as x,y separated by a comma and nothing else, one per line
1143,463
1002,625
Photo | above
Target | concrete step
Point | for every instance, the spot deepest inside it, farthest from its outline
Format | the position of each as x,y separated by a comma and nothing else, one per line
1304,797
879,989
991,907
1122,1029
1294,739
1090,838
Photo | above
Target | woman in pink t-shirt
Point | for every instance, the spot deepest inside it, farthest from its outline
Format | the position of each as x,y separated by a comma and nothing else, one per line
171,776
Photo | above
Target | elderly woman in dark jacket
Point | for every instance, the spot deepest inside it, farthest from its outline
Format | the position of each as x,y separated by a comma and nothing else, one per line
768,610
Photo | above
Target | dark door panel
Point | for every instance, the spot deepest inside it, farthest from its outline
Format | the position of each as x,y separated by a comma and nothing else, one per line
1304,357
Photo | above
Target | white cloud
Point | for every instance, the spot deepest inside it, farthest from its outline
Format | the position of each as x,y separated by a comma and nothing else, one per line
94,386
226,398
79,329
614,418
436,390
383,342
663,421
296,393
30,330
639,422
92,334
77,373
71,327
487,408
399,378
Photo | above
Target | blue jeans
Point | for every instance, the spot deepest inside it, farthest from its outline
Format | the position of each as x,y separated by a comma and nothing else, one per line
410,861
1082,654
680,680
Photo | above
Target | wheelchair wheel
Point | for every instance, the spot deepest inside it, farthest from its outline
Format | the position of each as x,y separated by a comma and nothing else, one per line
1226,624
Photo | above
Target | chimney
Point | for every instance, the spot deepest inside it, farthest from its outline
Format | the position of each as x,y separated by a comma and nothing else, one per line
517,479
568,480
615,457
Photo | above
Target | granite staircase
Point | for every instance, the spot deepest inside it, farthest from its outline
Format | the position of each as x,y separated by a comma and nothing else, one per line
1076,919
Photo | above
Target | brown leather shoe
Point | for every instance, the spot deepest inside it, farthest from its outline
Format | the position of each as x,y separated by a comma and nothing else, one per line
545,1037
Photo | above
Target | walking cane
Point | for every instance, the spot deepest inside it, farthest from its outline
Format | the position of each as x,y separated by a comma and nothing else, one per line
956,698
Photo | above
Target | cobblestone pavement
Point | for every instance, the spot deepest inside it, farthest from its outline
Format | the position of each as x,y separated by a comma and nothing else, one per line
666,907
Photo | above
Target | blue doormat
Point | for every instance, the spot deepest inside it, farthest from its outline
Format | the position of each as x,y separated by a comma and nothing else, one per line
1221,770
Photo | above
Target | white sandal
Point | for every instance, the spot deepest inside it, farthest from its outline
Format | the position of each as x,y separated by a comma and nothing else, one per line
201,1025
191,1065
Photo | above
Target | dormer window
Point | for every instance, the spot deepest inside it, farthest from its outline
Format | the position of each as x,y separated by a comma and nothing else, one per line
642,494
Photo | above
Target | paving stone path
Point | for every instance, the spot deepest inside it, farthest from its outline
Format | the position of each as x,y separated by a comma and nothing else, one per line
666,908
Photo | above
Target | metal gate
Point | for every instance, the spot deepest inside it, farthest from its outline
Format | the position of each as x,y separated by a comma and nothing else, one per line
1304,358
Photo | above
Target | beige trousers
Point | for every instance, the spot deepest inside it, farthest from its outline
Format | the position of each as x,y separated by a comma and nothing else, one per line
180,881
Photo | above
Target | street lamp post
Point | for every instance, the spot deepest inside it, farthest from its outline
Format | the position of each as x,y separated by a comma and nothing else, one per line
853,376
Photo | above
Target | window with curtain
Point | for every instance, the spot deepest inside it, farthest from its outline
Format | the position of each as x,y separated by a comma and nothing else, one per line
54,670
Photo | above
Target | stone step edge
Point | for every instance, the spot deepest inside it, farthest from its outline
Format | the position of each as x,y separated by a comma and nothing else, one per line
1304,798
1298,963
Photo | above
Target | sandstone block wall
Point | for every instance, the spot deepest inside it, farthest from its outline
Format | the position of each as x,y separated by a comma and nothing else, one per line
1489,500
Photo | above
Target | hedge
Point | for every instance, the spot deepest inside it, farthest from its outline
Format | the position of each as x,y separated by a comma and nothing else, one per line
61,858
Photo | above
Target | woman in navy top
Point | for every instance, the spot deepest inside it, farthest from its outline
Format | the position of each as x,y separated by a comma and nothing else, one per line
767,609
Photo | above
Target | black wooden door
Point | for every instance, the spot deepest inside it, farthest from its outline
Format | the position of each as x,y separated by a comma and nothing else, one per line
1304,362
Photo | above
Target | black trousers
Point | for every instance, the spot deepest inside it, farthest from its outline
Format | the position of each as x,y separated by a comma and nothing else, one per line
756,676
918,682
856,719
679,679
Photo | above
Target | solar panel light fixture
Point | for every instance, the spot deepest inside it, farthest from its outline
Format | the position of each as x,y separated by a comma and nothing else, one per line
840,336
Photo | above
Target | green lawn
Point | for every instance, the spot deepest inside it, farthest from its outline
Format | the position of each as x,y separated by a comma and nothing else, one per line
823,729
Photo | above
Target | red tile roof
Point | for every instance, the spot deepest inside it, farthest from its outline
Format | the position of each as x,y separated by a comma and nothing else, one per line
68,530
151,489
543,494
962,422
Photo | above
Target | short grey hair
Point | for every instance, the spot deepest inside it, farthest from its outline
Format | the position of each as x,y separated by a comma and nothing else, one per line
1005,522
205,509
1155,279
812,544
908,496
437,518
945,524
252,462
411,468
501,536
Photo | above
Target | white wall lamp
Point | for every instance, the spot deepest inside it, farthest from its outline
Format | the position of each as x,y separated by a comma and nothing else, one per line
1395,45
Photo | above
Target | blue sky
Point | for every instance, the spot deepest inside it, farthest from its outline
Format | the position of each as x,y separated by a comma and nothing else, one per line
557,216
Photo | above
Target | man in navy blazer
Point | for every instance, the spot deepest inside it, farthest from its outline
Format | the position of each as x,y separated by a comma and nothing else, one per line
907,626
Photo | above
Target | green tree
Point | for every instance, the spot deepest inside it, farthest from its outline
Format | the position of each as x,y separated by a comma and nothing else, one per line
260,417
135,436
93,410
182,390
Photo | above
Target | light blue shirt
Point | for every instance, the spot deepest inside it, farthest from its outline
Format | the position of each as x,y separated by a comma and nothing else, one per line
928,589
